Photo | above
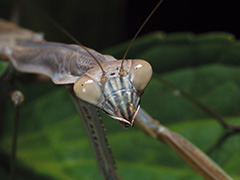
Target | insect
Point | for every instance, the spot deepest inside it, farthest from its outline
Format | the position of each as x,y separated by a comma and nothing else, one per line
124,122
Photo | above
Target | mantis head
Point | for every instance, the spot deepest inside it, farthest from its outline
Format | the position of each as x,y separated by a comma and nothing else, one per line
115,86
117,94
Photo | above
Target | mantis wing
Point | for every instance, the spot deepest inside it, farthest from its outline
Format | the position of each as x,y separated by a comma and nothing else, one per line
29,52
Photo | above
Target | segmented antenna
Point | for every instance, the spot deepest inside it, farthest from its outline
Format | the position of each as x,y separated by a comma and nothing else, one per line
64,31
77,42
121,72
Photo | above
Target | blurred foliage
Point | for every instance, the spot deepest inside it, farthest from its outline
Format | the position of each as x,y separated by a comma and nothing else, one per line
52,143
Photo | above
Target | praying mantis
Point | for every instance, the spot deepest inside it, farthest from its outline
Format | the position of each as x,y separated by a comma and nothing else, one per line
155,125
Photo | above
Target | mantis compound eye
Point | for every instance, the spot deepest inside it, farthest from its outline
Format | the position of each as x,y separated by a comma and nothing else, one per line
88,90
140,74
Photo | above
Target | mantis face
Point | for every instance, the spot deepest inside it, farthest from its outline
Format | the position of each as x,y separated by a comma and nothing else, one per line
117,95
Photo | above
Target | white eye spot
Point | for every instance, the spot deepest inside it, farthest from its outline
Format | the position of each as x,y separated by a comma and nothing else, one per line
89,81
138,66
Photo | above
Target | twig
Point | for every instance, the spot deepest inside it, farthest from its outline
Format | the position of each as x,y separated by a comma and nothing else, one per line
222,122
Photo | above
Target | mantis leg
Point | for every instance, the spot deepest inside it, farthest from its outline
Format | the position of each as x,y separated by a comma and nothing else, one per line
195,158
97,137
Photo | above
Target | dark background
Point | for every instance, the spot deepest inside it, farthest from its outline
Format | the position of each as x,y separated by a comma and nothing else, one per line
103,23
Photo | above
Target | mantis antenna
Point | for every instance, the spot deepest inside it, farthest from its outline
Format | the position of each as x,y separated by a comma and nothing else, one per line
121,72
64,31
80,44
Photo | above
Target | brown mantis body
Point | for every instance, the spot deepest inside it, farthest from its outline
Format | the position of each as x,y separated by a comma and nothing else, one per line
20,49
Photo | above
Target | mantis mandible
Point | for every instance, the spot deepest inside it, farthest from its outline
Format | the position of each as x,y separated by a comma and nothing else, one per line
74,64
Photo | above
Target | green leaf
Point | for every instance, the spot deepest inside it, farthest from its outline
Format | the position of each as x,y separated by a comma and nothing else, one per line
52,143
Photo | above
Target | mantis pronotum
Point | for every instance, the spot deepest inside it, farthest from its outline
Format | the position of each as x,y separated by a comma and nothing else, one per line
156,130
